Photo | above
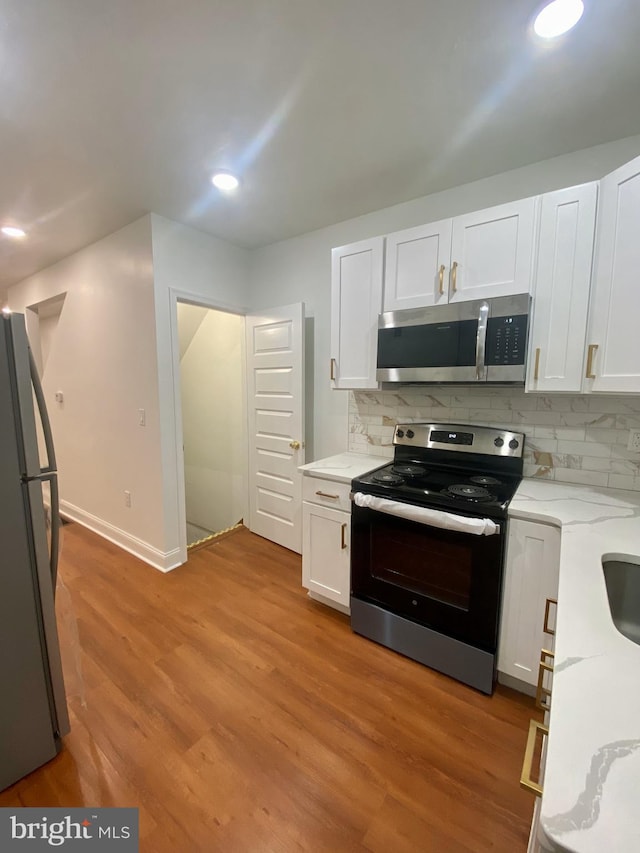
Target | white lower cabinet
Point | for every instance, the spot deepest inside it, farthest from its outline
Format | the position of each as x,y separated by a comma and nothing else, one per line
326,547
531,577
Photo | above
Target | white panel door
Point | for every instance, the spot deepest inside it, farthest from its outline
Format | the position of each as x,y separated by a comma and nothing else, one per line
531,576
492,251
325,555
356,301
275,408
614,358
417,266
563,279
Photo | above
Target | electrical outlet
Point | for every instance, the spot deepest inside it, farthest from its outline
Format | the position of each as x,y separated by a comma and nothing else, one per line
127,498
634,440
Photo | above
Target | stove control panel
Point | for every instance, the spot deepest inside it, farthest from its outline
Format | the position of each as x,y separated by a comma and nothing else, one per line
461,438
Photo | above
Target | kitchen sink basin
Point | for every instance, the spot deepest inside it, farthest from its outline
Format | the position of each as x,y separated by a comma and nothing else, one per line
622,578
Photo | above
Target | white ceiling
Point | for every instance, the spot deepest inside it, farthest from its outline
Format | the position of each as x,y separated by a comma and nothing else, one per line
327,109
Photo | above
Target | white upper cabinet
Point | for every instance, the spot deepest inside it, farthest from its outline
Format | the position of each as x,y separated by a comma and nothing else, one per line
356,301
492,251
563,278
476,256
613,340
417,266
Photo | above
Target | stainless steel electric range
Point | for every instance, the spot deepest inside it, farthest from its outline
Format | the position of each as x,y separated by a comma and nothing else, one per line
428,535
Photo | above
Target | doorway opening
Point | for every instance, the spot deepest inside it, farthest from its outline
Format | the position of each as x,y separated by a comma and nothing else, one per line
212,381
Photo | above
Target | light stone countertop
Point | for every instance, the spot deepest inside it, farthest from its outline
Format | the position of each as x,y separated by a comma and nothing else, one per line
591,799
343,467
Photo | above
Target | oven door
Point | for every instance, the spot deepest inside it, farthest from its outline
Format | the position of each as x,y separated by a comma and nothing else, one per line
446,580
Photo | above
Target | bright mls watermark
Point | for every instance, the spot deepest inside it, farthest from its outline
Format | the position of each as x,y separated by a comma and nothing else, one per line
69,829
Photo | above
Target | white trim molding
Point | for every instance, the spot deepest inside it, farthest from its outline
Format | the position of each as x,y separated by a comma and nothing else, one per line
164,562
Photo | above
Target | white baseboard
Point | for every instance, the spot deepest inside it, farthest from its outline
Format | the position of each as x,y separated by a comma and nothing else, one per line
163,561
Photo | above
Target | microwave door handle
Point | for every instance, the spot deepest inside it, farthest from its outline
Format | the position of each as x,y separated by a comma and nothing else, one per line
481,341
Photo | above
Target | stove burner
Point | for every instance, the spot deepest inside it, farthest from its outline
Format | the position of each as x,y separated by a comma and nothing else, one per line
407,470
469,493
485,480
386,478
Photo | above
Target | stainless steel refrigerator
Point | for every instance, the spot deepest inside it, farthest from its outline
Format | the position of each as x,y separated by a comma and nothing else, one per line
33,708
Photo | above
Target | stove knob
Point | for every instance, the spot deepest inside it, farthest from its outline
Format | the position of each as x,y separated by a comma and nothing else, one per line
513,444
400,433
410,433
498,442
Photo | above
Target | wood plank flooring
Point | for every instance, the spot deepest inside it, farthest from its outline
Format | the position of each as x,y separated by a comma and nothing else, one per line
238,715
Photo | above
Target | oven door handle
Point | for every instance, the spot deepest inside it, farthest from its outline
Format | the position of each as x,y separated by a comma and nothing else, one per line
430,517
481,341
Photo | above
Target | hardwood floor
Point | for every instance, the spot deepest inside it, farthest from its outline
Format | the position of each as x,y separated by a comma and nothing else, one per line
238,715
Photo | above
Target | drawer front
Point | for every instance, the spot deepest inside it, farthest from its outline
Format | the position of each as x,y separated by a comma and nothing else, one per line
326,493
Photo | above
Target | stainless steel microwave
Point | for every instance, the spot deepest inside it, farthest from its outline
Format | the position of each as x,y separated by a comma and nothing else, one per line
484,340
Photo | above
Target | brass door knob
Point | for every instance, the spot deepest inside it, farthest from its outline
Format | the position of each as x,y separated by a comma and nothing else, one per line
294,445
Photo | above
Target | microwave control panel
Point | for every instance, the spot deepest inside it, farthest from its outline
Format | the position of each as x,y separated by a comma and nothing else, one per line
506,340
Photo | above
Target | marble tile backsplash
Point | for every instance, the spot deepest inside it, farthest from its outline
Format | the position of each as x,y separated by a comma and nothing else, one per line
580,439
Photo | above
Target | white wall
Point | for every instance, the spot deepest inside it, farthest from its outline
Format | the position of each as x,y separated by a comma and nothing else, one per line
102,355
300,269
202,269
212,372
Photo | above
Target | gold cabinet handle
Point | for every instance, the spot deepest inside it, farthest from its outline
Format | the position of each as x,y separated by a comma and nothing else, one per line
441,279
526,781
454,276
590,356
343,530
543,694
294,445
327,495
537,364
547,608
332,370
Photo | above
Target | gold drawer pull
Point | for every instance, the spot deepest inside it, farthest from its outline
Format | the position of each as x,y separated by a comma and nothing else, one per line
590,356
526,781
332,374
537,365
454,276
543,694
441,277
327,495
343,530
547,630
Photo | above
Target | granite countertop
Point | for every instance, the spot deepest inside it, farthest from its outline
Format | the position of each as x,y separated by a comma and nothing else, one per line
343,467
592,778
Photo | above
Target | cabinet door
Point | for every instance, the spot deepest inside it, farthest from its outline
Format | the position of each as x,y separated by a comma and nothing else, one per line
614,358
563,278
326,537
531,576
417,266
492,251
356,301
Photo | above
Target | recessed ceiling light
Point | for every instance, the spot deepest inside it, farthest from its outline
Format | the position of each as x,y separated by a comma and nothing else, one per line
557,18
11,231
225,181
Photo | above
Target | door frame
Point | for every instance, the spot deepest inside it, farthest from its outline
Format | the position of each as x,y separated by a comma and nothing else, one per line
178,295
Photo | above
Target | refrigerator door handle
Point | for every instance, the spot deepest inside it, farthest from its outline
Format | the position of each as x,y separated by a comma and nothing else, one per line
48,473
52,479
44,415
